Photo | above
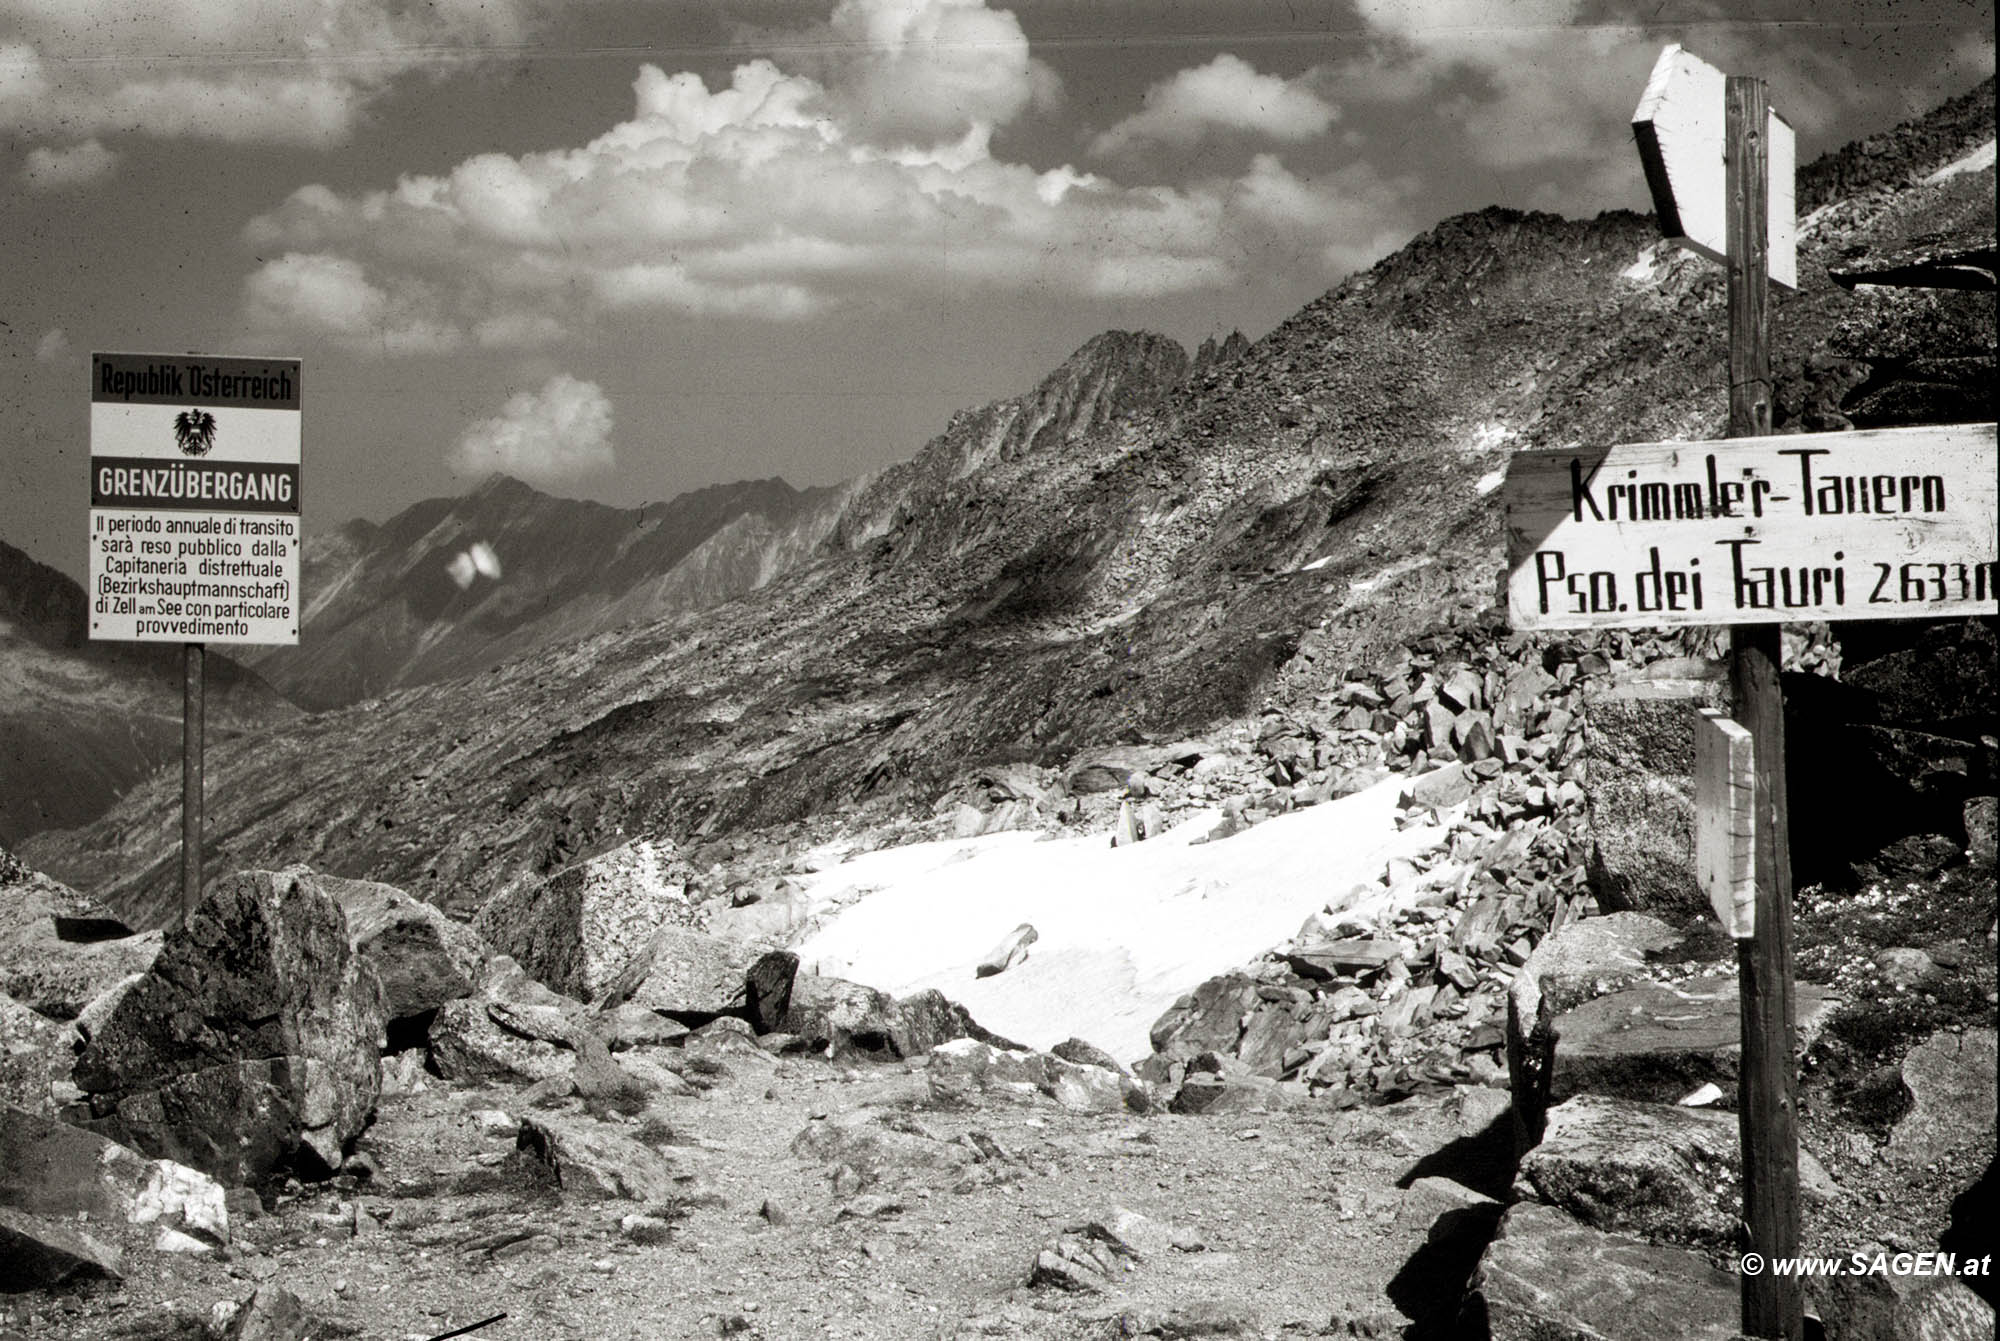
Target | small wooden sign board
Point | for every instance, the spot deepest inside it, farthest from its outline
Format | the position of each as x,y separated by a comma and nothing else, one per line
1679,127
1725,823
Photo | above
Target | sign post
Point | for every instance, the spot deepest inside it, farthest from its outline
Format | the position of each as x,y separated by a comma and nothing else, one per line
194,522
1899,523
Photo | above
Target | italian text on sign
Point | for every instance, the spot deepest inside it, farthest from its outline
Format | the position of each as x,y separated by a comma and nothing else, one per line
1895,523
194,499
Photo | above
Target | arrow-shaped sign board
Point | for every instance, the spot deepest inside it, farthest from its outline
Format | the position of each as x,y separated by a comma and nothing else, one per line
1679,126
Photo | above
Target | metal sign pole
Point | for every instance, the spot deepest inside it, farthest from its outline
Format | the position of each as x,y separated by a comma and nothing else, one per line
1773,1304
191,779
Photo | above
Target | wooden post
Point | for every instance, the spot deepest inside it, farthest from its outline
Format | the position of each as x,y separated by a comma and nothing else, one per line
1773,1305
191,779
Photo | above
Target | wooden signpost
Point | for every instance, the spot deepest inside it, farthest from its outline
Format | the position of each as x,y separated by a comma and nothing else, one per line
1746,533
194,522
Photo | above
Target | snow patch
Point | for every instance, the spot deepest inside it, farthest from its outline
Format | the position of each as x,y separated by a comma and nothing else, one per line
1123,932
1317,564
1978,160
1490,481
1647,268
1488,437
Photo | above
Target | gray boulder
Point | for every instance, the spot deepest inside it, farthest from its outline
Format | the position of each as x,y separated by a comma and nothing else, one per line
1884,1306
1952,1085
577,930
685,974
593,1160
37,1253
1665,1173
510,1029
59,948
1547,1278
250,1045
51,1168
422,957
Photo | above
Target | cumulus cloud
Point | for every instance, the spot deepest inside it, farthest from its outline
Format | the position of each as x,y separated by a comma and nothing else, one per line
246,71
72,165
780,195
556,433
1227,94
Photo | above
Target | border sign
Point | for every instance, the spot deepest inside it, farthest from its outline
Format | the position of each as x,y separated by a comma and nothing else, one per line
1679,127
1899,523
194,499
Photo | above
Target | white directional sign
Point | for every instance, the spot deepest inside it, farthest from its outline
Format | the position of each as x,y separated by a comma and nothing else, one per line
1891,523
1679,126
194,499
1725,820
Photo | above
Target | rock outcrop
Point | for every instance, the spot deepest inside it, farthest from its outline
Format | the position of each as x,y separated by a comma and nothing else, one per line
250,1045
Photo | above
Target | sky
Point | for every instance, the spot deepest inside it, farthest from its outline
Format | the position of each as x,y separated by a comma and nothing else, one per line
626,249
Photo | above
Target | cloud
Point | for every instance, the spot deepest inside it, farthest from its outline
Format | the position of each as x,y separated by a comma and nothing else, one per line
556,433
1227,94
72,165
780,196
53,347
248,71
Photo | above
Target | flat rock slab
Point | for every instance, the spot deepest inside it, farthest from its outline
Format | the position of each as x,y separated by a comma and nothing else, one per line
54,957
1670,1174
1951,1079
1547,1278
1658,1042
593,1160
38,1253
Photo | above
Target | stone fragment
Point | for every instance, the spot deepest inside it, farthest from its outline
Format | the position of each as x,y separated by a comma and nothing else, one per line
964,1070
767,987
1208,1019
1952,1085
38,1253
1087,1054
1439,788
422,957
273,1313
1011,950
877,1153
1547,1278
628,1027
251,1043
1982,832
591,1159
581,928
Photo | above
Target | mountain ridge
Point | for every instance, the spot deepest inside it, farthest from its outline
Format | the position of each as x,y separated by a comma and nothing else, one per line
1214,538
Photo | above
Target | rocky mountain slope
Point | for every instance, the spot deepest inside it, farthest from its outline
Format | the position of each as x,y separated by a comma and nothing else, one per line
1138,549
451,586
81,722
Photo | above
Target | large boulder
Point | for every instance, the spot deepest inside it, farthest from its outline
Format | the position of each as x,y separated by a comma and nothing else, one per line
59,948
1883,1304
422,957
1547,1278
843,1018
590,1159
33,1060
250,1045
1656,1170
684,974
511,1028
1208,1019
576,930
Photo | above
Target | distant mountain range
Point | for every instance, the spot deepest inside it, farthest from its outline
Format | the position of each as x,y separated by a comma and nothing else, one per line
81,722
1146,545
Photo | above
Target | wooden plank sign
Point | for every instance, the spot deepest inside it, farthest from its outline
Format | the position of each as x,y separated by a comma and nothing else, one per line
1679,127
1896,523
1725,784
